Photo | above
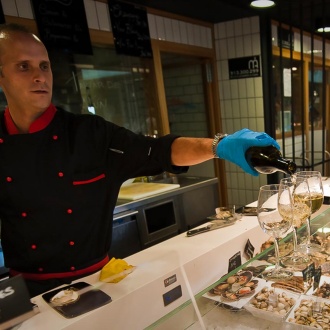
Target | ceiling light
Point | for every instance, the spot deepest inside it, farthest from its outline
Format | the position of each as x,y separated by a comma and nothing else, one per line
322,24
262,3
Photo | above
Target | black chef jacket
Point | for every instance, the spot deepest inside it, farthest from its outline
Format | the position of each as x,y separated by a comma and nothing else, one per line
58,190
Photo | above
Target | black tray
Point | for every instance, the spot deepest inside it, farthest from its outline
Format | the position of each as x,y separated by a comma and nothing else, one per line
87,301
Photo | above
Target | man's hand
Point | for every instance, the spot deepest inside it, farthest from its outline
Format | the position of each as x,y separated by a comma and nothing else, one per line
234,146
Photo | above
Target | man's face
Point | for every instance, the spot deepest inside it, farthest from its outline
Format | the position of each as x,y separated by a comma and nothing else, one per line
26,77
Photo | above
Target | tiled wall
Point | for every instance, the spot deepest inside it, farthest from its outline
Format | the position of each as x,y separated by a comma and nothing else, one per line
241,100
98,18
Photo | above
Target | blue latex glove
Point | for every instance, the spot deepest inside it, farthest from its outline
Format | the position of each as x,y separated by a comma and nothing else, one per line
234,146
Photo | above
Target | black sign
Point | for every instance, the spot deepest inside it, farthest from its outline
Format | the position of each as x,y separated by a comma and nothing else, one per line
235,261
249,249
308,272
244,67
15,305
130,29
285,38
62,24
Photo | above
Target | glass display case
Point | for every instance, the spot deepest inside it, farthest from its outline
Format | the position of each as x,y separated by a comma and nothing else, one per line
210,309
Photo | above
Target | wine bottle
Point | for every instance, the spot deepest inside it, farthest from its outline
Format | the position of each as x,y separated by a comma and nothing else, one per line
267,160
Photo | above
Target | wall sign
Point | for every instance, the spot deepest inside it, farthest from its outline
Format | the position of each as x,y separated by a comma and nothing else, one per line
285,38
62,24
244,67
130,29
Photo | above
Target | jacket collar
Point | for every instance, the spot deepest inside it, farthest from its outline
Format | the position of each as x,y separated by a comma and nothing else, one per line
39,124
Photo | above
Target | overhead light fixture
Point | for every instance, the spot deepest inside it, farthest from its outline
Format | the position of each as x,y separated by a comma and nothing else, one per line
262,3
322,24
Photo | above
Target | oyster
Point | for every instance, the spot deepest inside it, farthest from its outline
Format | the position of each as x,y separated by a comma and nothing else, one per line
65,297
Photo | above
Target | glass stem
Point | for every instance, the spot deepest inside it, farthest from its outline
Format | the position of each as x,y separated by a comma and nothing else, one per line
277,253
295,239
308,227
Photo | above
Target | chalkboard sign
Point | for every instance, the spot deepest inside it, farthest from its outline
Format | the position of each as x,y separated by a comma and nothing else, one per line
62,24
244,67
130,29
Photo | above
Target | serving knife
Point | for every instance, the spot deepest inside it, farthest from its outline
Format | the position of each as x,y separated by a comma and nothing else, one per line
215,224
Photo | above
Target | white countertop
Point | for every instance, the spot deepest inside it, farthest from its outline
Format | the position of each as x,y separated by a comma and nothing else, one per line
137,300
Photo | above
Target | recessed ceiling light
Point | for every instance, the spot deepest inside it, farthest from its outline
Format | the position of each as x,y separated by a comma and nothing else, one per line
262,3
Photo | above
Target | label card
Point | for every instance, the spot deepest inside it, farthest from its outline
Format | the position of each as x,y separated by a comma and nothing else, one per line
235,261
249,249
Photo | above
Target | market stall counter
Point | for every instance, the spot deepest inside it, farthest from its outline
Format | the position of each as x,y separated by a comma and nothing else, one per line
167,288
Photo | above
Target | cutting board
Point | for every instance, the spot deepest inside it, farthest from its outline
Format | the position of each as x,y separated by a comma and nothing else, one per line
139,190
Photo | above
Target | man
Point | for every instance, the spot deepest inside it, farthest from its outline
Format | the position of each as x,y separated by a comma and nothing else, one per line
60,173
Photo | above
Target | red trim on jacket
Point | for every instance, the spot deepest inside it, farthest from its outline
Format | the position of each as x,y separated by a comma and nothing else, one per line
99,177
48,276
39,124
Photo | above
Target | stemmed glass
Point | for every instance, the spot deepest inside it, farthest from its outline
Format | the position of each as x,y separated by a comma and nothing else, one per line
274,213
314,179
301,211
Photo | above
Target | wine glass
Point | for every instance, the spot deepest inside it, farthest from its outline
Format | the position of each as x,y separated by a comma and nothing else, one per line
274,213
301,211
314,179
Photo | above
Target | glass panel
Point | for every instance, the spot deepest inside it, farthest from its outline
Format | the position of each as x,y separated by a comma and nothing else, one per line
119,88
184,88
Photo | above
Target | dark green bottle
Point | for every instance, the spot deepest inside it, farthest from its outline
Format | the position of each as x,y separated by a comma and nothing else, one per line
267,160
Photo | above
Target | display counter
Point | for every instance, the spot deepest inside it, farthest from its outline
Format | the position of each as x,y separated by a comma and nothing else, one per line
167,288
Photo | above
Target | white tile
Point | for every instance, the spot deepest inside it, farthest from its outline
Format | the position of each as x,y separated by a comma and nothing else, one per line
251,106
260,124
209,36
190,33
91,14
183,32
152,26
244,122
176,30
223,49
246,26
226,90
238,46
256,44
250,88
243,106
221,27
103,16
228,109
9,8
231,47
259,107
255,28
160,27
24,9
252,124
238,27
236,109
224,70
168,29
197,35
258,86
242,88
234,88
247,45
229,29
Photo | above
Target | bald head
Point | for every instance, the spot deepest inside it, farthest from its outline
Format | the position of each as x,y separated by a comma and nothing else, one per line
12,30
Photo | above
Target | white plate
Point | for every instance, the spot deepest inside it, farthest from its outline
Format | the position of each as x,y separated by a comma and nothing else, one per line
240,302
310,300
270,315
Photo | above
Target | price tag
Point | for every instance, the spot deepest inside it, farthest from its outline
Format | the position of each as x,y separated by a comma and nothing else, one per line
249,249
235,261
308,272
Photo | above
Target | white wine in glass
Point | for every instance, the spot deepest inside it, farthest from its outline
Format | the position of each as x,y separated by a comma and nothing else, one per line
314,179
299,189
275,222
